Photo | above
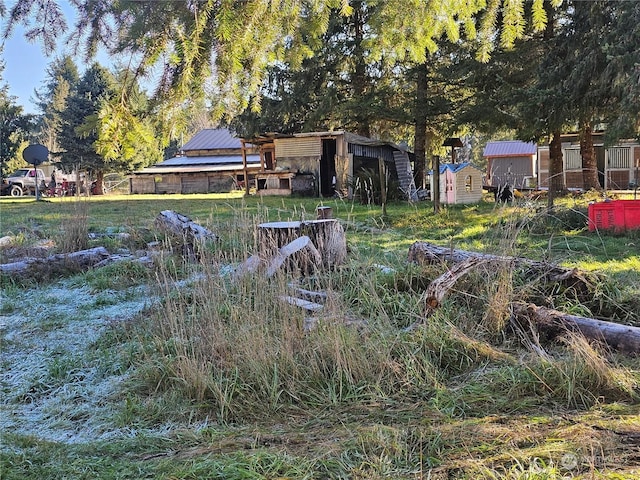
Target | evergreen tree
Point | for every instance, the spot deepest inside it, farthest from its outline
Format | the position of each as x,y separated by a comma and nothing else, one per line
81,126
61,81
127,139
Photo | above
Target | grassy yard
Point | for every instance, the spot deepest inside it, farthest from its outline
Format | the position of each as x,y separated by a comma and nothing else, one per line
183,370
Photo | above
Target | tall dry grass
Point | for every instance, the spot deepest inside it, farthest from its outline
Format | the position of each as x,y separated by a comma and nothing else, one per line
75,228
230,343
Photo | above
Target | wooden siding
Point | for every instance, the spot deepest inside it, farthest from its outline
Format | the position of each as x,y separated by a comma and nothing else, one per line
168,183
221,184
142,184
195,184
298,147
574,179
618,179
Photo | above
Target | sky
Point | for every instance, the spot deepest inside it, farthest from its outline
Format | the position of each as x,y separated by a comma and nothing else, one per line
24,69
26,65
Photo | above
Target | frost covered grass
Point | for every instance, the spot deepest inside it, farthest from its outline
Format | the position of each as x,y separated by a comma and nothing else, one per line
56,384
178,371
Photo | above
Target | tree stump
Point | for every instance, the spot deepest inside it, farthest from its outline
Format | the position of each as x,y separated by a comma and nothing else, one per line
327,236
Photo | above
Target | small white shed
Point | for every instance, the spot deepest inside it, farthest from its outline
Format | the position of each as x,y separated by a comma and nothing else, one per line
459,183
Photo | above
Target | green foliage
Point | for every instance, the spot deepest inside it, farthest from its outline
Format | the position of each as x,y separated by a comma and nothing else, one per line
15,128
61,81
80,128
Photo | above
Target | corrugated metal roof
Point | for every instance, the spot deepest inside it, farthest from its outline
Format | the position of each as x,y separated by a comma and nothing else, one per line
509,148
196,169
212,139
209,160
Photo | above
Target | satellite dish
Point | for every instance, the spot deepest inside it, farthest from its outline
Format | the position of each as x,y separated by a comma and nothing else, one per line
35,154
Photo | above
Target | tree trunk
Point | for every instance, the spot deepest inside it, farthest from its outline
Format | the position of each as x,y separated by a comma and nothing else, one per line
590,179
55,265
556,168
435,194
621,337
359,79
420,139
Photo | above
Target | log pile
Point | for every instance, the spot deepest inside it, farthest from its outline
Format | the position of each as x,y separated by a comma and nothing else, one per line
428,253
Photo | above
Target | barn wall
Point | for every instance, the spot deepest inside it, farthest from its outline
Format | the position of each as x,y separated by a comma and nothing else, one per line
195,183
140,184
221,183
168,183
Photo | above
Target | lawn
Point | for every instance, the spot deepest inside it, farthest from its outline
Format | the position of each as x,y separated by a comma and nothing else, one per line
181,370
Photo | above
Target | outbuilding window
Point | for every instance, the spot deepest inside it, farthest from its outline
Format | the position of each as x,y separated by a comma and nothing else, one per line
468,183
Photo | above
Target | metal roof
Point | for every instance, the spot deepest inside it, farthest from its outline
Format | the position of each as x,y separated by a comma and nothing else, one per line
209,160
196,169
211,163
509,148
212,139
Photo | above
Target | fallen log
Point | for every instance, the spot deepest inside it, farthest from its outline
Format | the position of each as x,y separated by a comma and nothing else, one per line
438,289
428,253
624,338
55,265
185,231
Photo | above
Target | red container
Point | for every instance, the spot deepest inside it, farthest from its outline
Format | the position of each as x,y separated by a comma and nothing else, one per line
616,215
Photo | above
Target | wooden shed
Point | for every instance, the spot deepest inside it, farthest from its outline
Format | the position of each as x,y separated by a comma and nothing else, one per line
213,161
511,162
460,183
326,163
